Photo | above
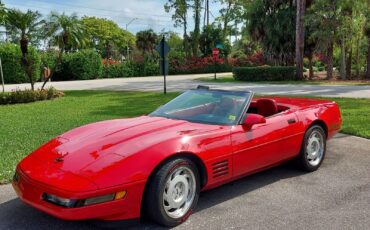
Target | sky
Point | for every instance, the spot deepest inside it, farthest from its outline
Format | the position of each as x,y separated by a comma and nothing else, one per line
147,14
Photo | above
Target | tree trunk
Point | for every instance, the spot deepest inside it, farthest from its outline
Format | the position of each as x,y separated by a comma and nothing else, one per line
107,49
197,8
299,43
186,40
57,65
368,60
358,57
329,61
349,64
310,68
24,61
342,60
226,19
207,12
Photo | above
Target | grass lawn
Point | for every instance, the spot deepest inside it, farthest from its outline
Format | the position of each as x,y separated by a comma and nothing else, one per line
24,127
306,82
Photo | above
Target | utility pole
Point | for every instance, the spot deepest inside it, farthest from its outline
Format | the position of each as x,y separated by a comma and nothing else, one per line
128,49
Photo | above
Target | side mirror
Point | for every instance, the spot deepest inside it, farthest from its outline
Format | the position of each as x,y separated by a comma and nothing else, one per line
253,119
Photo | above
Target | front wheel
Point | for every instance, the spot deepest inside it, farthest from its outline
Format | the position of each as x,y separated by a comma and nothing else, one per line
172,192
313,149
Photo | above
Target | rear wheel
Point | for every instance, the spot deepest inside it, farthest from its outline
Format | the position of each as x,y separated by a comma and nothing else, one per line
172,192
313,149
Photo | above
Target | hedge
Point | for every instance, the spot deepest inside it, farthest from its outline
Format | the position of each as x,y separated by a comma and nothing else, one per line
11,56
27,96
116,71
130,69
220,68
265,73
82,65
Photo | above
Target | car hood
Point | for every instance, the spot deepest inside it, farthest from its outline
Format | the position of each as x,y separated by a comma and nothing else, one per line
89,150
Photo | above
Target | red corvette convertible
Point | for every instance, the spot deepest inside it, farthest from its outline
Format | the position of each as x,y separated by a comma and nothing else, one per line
156,165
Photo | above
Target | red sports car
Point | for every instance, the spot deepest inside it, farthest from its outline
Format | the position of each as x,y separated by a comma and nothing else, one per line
157,164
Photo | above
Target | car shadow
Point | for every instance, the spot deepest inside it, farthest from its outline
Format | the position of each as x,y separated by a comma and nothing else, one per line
14,214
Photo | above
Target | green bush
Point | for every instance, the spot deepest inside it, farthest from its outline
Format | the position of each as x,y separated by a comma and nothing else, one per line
81,65
117,70
148,68
27,96
321,68
49,59
264,73
220,68
11,56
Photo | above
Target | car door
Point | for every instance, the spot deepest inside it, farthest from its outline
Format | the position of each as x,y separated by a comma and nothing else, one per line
264,144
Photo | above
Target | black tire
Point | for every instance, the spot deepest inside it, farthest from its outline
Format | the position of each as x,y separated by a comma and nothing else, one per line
302,160
153,199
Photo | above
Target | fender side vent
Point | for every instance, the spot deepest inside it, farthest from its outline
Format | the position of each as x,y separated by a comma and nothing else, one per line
220,168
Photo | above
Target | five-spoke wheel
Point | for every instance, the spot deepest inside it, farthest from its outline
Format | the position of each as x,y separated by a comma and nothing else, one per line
172,192
313,148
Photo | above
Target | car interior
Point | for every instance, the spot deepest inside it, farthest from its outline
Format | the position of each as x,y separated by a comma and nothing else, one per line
266,107
263,106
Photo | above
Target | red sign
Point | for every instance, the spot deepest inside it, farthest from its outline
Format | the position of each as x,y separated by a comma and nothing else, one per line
215,53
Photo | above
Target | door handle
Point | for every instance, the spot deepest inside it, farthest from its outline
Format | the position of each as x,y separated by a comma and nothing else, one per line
291,121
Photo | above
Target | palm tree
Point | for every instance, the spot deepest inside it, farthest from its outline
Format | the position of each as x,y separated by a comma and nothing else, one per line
146,41
24,27
67,32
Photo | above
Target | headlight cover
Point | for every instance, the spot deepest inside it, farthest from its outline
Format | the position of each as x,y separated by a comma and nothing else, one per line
64,202
73,203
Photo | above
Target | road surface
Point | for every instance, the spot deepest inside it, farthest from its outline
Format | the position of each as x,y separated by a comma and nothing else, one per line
184,82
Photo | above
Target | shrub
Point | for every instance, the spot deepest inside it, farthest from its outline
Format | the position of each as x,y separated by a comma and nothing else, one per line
117,70
264,73
321,68
11,60
27,96
81,65
49,59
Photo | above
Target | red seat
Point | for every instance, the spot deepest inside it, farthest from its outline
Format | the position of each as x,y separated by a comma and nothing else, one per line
266,107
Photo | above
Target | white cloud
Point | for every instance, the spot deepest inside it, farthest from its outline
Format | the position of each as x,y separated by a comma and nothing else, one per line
149,13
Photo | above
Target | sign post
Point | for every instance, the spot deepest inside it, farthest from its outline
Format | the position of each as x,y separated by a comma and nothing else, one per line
163,49
215,53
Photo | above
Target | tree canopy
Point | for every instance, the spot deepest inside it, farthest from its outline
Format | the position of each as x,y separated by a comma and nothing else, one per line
107,37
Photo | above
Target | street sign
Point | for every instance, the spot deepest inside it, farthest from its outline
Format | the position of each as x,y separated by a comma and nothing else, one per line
215,53
163,48
219,46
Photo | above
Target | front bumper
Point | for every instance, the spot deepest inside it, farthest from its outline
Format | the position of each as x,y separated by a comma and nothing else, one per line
31,191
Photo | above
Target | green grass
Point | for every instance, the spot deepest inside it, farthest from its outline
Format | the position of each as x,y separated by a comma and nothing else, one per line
24,127
226,79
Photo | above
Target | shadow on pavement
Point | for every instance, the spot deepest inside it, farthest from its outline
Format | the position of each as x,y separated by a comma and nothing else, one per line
16,215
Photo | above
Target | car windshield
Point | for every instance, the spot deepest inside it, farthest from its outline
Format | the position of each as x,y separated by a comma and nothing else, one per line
206,106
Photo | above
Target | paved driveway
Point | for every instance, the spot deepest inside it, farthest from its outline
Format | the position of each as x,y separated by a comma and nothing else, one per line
337,196
184,82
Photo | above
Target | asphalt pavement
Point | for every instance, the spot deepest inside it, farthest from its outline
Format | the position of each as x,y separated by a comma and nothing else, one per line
179,83
337,196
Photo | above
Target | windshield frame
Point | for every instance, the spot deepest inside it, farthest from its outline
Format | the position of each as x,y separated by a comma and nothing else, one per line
237,121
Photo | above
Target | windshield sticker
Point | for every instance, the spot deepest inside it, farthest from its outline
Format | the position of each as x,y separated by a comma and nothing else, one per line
232,117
